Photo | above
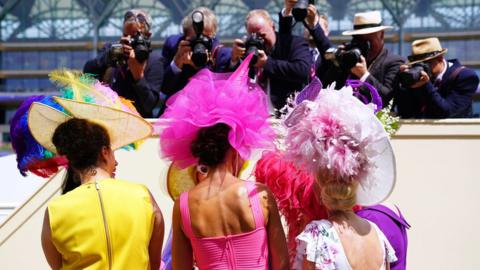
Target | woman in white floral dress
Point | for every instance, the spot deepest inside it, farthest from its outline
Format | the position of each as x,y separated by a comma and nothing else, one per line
340,141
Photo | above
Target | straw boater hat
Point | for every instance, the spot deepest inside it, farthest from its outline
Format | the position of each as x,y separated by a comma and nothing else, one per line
366,23
123,128
425,49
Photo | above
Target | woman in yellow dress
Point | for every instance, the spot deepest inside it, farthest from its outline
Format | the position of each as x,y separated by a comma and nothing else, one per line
98,222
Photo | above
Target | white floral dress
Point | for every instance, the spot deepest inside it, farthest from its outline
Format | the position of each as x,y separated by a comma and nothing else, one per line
319,243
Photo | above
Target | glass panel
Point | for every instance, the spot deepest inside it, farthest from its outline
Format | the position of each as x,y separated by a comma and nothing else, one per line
12,60
47,60
79,58
30,60
13,85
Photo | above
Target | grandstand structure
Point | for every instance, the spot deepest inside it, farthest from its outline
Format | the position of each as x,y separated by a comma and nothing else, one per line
37,36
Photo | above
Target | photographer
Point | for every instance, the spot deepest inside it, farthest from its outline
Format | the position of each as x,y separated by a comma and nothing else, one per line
283,61
196,48
129,67
432,87
364,58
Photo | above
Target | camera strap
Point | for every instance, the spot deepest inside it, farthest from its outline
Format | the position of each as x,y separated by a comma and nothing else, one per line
215,53
452,75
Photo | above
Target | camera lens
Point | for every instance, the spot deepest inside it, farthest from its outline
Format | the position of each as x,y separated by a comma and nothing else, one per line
299,11
199,55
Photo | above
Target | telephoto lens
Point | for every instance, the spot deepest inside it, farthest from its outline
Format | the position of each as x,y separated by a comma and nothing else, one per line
200,44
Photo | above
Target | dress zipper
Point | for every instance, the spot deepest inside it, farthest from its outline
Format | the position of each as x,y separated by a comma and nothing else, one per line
107,234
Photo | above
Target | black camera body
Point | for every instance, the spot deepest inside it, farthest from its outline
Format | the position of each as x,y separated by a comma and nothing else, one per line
414,73
299,11
200,44
253,44
139,43
348,55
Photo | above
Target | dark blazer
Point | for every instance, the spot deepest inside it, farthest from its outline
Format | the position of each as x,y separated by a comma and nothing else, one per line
320,40
452,98
383,76
145,93
287,68
175,82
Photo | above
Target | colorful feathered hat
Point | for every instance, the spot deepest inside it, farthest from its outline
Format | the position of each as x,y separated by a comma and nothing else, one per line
338,133
81,96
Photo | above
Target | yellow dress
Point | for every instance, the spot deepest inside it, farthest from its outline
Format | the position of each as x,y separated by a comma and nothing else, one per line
103,225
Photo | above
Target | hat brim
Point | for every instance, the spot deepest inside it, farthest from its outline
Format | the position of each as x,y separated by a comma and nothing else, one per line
365,31
442,52
382,177
124,128
42,122
180,180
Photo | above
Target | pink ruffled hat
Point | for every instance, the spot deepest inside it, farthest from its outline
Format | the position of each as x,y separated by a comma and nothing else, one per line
210,98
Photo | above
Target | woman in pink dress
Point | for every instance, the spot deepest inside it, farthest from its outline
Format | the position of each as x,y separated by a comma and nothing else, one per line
215,123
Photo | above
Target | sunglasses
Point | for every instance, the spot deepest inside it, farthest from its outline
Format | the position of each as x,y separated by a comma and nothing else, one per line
139,17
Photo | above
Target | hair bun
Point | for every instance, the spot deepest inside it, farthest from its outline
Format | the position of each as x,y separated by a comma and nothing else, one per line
211,144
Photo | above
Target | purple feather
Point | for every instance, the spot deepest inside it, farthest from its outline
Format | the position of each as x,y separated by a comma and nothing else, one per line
376,99
310,92
26,147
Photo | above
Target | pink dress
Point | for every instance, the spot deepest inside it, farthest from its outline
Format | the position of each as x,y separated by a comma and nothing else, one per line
240,251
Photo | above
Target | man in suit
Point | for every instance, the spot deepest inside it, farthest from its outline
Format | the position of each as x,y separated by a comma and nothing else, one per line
377,66
177,52
284,66
136,80
445,89
313,21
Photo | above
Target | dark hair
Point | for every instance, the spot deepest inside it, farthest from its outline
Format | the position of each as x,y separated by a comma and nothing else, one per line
81,141
211,144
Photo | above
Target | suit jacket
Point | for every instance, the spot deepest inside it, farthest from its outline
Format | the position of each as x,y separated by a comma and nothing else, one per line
175,82
452,98
287,69
145,93
383,69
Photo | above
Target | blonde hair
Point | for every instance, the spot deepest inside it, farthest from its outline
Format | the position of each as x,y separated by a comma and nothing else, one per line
337,194
258,12
209,20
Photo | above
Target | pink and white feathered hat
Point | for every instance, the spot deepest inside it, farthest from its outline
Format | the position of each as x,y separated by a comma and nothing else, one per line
337,132
210,98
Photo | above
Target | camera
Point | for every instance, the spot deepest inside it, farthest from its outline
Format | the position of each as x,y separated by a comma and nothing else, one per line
253,43
414,73
299,11
200,44
348,55
139,43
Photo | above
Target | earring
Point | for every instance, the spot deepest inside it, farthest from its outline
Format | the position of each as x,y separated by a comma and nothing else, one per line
203,169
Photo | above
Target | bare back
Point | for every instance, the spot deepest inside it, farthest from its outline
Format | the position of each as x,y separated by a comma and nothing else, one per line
361,244
223,209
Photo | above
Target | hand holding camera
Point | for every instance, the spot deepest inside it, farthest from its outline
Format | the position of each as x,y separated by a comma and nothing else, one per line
312,18
183,55
415,76
300,10
238,50
288,5
360,68
121,52
347,56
